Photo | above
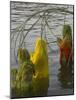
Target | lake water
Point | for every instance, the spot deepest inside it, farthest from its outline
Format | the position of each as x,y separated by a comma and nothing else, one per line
20,11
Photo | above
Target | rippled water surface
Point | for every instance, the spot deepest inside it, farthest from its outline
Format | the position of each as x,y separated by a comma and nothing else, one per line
20,12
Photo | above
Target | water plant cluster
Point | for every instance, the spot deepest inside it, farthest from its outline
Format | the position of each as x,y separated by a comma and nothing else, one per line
32,76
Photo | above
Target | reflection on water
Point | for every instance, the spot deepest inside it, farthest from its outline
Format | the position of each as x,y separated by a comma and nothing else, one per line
20,12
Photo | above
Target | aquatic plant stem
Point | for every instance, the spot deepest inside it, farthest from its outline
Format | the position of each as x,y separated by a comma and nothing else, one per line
29,30
46,10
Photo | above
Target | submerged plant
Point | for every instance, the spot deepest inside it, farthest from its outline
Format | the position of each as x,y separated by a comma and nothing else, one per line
23,55
40,60
67,32
65,45
22,85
